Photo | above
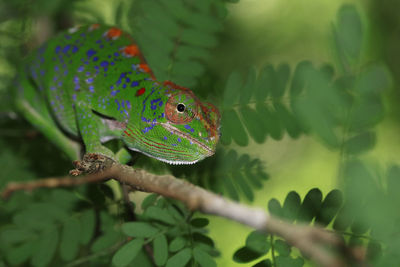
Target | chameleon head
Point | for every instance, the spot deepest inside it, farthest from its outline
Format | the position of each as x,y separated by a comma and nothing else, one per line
174,126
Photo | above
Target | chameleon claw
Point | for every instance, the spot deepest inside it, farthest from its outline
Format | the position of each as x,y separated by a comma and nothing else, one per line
91,163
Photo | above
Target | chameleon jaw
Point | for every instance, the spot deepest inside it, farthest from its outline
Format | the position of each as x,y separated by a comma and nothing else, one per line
167,126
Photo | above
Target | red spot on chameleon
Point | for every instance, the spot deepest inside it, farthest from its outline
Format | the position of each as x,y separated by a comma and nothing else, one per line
144,67
94,27
131,50
113,33
140,91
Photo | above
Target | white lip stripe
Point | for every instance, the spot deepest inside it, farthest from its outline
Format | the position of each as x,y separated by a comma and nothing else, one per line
171,128
165,160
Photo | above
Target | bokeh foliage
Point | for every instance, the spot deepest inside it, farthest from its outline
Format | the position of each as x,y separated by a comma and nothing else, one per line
337,103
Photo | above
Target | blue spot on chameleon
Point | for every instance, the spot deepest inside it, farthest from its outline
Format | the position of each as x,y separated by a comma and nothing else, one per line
134,83
165,138
116,101
179,140
66,48
95,58
81,68
58,49
91,52
75,49
153,104
104,63
91,88
189,128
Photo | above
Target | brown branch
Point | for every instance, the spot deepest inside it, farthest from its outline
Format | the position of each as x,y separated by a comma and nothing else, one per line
312,241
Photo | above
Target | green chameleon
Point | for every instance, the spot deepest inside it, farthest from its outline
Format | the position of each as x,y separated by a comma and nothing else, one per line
93,83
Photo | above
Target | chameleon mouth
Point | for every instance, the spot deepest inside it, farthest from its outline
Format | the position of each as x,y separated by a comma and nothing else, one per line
176,131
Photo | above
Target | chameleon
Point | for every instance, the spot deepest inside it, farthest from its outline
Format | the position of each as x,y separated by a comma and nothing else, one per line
92,83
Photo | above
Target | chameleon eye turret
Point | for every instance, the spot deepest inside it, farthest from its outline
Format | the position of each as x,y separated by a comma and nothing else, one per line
94,83
175,121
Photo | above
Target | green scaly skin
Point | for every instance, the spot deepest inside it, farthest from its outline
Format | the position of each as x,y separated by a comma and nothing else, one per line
92,82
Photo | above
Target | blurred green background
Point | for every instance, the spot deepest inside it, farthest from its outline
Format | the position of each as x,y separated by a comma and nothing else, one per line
249,34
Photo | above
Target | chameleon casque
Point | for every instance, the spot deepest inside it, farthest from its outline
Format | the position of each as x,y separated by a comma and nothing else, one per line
93,82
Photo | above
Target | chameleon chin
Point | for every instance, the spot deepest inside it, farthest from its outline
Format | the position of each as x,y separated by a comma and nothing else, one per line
94,83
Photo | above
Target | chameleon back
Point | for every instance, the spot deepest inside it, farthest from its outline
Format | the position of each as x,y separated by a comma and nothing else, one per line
94,83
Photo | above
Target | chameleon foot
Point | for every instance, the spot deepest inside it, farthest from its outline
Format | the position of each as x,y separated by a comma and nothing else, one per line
91,163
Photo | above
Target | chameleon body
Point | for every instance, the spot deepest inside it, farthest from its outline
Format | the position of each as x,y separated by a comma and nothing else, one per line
93,82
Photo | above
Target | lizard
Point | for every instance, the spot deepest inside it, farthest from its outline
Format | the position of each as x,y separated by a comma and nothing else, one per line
93,83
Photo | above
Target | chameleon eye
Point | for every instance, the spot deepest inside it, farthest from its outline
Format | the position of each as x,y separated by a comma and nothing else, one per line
180,107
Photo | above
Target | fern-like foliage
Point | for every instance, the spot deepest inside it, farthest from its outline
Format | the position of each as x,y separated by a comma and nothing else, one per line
175,237
228,173
338,108
41,229
330,211
176,36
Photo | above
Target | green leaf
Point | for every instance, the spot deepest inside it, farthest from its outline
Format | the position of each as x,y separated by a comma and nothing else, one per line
258,242
180,259
274,207
159,214
23,252
393,183
282,77
139,229
265,83
149,201
232,89
310,206
14,235
330,207
291,206
245,254
249,87
197,237
198,38
243,185
70,238
270,121
203,258
360,143
366,113
373,80
287,120
45,247
127,253
299,78
105,241
232,127
88,223
343,219
263,263
349,31
251,119
230,188
199,222
177,244
282,247
283,261
160,247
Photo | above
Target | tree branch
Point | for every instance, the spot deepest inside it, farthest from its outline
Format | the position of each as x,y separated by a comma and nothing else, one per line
312,241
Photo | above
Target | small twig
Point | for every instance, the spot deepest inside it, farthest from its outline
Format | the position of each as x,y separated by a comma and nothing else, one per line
312,241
